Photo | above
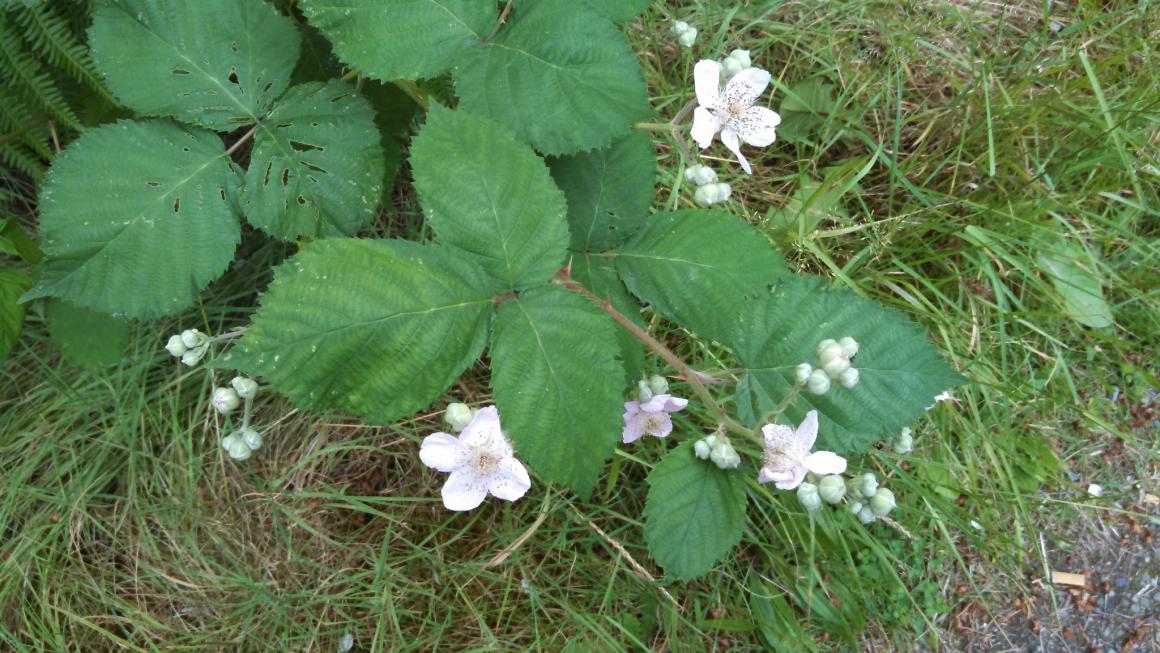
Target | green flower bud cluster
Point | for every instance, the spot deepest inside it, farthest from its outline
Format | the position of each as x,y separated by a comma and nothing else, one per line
737,61
242,443
701,175
711,194
833,364
869,501
685,33
648,388
903,443
190,346
718,449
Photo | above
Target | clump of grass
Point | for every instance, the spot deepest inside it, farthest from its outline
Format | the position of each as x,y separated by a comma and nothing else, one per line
126,527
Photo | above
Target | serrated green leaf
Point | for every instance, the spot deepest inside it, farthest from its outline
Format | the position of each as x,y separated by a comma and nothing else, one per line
137,217
804,109
900,372
694,514
620,10
13,283
609,191
559,74
487,194
376,327
1071,270
554,371
698,267
215,63
86,338
317,167
599,276
401,39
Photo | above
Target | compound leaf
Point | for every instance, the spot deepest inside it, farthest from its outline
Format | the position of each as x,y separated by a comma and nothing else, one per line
694,514
376,327
401,39
554,372
698,267
318,165
609,191
137,217
900,371
489,195
560,75
215,63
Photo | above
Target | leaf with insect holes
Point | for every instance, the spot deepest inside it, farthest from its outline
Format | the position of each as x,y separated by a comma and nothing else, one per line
162,225
556,381
694,514
609,191
215,63
376,327
488,195
900,372
317,167
401,39
559,74
86,338
699,267
13,283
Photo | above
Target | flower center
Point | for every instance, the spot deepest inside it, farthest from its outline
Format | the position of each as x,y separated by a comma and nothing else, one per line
485,462
735,109
653,423
781,459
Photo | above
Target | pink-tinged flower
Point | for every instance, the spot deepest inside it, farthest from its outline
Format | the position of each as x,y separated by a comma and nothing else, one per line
788,457
480,461
731,110
651,417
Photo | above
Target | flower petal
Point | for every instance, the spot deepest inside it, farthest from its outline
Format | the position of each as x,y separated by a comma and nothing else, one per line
797,475
705,127
511,481
464,490
807,432
731,141
825,462
633,427
484,430
707,82
442,451
631,408
674,404
777,436
658,424
655,404
745,87
757,126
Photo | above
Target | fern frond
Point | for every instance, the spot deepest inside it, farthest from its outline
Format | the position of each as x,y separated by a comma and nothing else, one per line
50,36
18,124
18,157
30,78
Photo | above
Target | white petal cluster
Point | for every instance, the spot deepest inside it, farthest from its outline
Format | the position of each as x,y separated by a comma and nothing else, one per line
732,110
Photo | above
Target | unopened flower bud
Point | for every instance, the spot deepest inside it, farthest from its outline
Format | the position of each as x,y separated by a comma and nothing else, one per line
252,438
679,27
737,61
702,449
175,346
866,515
803,372
865,484
832,488
837,366
819,383
904,442
849,346
724,456
193,338
239,450
856,506
807,494
246,388
882,502
701,175
229,441
688,38
658,384
824,345
225,400
830,353
710,194
711,440
849,377
643,391
458,416
193,356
